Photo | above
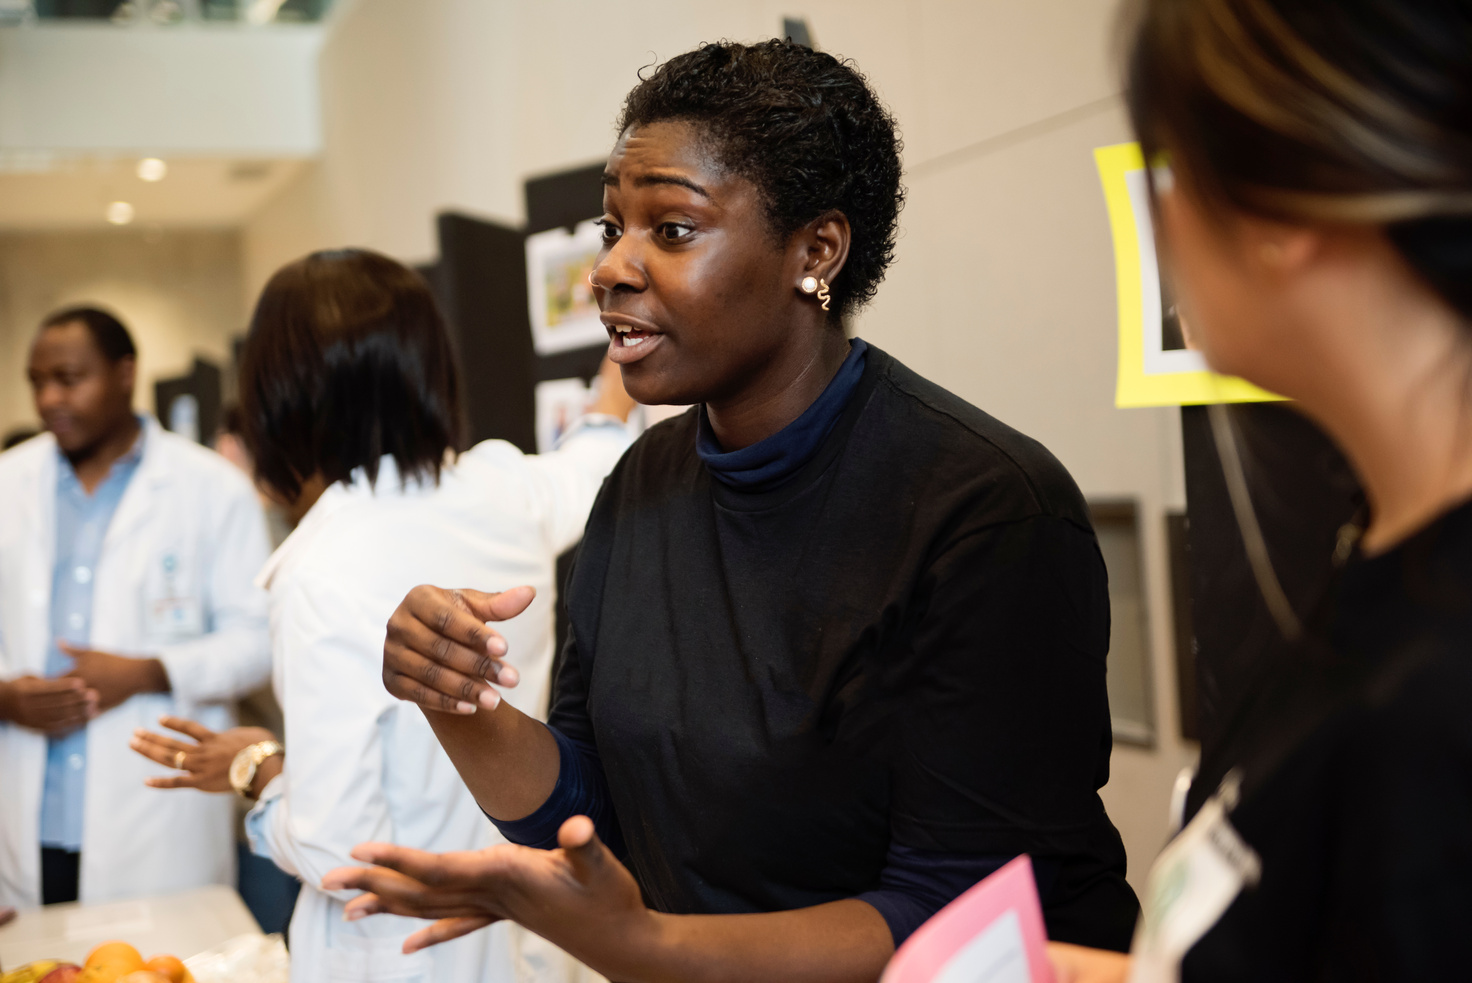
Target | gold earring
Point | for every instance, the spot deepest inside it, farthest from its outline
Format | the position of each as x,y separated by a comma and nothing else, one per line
823,292
809,285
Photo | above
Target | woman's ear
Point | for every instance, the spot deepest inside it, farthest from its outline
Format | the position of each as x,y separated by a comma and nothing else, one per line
1278,249
821,247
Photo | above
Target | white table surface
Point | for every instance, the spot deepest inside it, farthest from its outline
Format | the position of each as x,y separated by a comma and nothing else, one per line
178,925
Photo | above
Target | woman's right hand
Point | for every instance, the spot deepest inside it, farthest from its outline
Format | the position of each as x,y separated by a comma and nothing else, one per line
204,764
439,653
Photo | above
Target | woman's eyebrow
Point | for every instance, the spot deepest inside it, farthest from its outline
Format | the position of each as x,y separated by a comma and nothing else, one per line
646,180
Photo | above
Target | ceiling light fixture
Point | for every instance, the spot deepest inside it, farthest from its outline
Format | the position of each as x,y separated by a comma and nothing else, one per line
120,213
152,169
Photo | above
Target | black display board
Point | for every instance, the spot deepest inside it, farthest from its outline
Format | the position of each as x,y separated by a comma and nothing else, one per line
204,385
561,201
1304,493
480,282
481,285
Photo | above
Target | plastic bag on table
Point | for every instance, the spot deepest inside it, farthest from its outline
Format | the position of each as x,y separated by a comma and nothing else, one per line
243,959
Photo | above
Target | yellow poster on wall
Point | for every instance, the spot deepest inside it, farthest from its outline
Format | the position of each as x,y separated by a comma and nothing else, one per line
1156,365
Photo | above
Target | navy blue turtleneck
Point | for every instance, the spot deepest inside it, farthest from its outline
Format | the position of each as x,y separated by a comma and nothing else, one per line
769,463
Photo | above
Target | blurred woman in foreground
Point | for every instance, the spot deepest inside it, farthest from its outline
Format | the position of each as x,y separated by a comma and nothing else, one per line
1314,190
350,401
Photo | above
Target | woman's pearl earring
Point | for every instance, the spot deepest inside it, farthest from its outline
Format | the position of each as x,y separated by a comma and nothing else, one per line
809,285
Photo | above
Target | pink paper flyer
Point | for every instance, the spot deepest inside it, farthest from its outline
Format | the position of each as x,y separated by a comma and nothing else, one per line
991,934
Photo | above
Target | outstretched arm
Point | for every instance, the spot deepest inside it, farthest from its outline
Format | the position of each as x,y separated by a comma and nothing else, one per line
439,654
581,898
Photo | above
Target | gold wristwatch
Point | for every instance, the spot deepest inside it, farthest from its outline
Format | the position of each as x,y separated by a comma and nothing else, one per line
247,760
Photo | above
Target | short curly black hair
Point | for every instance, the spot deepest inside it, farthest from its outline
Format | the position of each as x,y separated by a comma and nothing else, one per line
801,125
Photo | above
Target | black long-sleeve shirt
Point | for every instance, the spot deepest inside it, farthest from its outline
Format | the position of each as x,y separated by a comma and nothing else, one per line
1355,757
901,647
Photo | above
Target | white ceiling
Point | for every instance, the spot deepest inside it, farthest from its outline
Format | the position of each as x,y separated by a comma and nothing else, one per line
52,192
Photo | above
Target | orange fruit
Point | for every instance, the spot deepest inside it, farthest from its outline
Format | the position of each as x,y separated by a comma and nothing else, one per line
111,961
169,967
115,954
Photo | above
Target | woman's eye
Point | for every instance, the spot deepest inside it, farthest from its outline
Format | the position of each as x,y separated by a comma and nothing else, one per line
611,232
674,231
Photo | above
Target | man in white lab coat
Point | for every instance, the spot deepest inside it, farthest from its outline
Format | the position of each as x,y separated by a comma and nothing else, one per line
127,558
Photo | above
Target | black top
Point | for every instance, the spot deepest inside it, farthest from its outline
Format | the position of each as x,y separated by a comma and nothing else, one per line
1356,757
905,640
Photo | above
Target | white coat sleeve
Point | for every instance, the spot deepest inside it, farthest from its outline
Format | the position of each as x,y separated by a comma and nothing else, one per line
566,481
329,796
233,657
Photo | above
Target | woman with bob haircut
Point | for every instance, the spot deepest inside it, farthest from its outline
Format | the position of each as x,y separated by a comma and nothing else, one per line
350,402
838,637
1314,192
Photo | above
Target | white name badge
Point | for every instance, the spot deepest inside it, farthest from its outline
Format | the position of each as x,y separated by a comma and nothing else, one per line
1192,883
172,617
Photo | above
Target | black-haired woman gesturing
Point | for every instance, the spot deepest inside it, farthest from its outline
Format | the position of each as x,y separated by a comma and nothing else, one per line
838,637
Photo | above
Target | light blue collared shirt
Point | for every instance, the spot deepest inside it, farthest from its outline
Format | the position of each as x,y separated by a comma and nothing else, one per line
81,525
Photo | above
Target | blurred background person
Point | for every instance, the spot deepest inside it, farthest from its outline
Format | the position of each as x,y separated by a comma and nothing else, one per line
350,411
1317,216
127,558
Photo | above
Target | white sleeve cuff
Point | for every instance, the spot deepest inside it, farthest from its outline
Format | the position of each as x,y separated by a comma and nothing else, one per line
258,820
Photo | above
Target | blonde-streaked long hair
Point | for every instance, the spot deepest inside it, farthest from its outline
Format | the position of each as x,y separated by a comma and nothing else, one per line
1325,111
1349,112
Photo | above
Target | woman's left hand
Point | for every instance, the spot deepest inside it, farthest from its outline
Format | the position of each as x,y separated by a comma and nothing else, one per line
205,762
578,896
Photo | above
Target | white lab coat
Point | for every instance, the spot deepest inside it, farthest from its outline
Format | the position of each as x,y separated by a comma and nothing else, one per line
187,509
361,765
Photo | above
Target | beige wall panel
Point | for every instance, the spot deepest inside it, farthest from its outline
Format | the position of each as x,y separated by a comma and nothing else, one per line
990,66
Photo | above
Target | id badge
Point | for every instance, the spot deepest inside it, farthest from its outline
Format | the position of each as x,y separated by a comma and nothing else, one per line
1191,885
174,617
172,611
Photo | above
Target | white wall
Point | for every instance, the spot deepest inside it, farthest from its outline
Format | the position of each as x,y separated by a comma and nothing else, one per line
1003,287
179,293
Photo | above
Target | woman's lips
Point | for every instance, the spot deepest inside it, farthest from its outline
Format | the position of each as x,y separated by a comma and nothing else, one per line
630,344
630,339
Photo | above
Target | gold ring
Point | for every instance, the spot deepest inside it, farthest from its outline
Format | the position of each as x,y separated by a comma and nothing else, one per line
179,760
